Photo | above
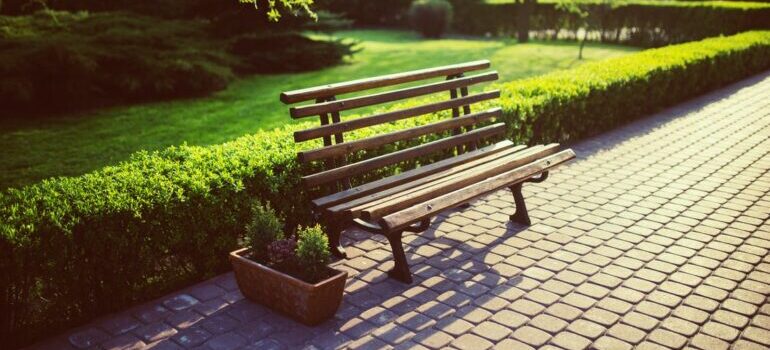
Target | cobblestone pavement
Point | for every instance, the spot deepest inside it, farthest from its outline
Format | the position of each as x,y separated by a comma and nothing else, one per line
656,237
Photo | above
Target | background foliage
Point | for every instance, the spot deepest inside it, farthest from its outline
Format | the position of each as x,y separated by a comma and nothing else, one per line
77,247
121,52
638,22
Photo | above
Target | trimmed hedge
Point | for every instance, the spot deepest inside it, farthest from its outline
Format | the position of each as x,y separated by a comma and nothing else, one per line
637,22
77,247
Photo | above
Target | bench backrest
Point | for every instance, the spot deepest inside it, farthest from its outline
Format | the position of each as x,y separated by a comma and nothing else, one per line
327,105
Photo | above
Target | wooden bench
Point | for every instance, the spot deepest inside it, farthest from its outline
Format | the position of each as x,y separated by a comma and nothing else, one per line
474,165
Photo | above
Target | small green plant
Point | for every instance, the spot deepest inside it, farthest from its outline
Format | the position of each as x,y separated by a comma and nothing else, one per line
313,252
431,17
264,228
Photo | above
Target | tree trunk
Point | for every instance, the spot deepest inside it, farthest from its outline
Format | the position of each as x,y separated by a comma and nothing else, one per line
583,44
525,9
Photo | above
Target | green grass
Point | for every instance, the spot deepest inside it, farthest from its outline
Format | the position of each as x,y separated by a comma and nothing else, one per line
74,144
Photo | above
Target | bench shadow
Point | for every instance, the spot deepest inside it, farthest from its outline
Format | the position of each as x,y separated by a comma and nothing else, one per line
447,286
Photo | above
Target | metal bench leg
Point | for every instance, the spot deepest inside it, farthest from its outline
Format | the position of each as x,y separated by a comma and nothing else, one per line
335,231
400,270
521,215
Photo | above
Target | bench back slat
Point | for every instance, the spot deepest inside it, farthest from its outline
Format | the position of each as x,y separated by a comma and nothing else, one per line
376,119
336,153
313,93
389,96
402,155
374,142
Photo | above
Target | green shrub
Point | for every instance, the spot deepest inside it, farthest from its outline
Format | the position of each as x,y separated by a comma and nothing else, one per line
169,218
431,17
265,227
313,252
57,60
288,52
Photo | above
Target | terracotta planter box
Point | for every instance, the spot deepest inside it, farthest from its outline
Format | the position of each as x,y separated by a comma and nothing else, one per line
308,303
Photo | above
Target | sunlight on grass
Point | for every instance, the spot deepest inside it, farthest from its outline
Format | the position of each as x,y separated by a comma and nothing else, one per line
77,143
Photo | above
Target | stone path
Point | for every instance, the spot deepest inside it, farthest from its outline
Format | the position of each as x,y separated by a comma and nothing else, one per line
656,237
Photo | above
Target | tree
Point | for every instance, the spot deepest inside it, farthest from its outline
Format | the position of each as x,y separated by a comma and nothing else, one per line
525,9
273,7
581,11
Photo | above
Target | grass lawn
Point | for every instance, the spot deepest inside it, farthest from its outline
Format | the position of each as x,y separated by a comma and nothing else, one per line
74,144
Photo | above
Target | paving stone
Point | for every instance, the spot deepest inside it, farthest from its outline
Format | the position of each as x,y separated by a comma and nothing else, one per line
155,331
548,323
368,342
180,302
508,344
691,314
471,342
678,325
564,311
207,291
641,321
492,331
227,341
668,339
570,341
191,337
740,307
394,334
184,319
757,335
532,336
454,326
730,318
601,317
119,324
610,343
433,339
151,313
706,342
124,342
587,329
627,333
720,331
219,324
526,307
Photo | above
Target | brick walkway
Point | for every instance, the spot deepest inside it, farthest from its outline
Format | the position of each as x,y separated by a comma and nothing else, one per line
656,237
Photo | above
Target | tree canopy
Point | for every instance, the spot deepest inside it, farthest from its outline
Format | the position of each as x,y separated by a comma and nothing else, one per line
273,7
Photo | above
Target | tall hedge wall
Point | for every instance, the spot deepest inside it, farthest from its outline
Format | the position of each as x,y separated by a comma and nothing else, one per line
646,23
76,247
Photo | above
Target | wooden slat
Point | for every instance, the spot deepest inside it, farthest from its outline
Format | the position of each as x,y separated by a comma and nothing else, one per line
350,205
398,156
375,210
295,96
444,178
389,96
409,175
403,218
358,123
373,142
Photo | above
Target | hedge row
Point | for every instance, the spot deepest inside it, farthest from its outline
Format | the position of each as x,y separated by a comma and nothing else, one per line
639,22
77,247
